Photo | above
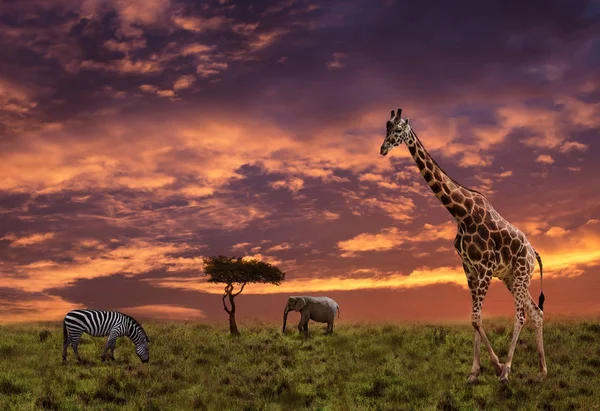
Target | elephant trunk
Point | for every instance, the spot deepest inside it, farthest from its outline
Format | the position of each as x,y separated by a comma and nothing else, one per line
285,314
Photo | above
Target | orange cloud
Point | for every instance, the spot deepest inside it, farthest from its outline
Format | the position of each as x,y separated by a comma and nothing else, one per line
164,312
49,308
27,240
183,82
279,247
418,278
392,238
294,184
544,158
136,257
199,25
577,248
14,99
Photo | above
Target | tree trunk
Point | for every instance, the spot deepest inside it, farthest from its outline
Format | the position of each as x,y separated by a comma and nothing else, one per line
232,325
231,311
233,330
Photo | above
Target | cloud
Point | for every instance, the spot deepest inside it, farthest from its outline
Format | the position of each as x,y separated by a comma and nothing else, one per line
14,100
198,24
393,238
545,159
27,240
240,246
137,257
108,143
556,232
164,312
399,208
148,88
572,145
183,82
577,248
279,247
42,308
209,69
337,61
417,278
293,184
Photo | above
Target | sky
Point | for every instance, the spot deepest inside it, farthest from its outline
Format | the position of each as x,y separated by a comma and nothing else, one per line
139,136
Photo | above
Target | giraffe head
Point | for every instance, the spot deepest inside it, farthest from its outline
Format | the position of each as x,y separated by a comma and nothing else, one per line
396,132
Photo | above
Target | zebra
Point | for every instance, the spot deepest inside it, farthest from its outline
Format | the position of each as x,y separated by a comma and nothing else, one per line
101,324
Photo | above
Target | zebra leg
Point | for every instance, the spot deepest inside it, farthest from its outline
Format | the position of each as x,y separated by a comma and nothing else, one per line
110,342
111,351
64,351
74,344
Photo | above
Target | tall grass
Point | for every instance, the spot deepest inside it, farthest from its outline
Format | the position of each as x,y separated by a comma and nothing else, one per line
359,367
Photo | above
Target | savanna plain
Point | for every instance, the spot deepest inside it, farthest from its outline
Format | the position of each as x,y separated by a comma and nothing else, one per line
362,366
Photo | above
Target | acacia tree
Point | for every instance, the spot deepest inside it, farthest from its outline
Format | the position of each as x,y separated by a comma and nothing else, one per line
232,272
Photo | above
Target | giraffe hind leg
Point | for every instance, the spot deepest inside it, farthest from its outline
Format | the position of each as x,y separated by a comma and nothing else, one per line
518,326
537,319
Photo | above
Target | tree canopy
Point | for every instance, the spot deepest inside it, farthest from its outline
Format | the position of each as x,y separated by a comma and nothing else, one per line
235,270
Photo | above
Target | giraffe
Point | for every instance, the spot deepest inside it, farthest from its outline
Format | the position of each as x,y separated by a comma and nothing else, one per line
488,245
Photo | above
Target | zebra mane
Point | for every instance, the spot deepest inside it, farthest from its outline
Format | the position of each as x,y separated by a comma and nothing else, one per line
137,324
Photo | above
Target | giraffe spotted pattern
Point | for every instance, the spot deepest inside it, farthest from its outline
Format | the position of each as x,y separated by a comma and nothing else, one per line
488,245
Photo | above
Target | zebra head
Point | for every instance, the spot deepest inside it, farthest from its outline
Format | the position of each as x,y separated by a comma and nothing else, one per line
141,349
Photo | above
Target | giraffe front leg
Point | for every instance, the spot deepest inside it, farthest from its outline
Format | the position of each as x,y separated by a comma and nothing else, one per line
476,368
478,325
478,296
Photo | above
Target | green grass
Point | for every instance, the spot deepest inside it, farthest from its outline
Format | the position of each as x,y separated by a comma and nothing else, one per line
360,367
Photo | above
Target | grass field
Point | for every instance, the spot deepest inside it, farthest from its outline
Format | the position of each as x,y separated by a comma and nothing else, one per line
360,367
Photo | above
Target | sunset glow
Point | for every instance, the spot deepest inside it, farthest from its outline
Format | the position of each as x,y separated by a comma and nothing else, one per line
137,137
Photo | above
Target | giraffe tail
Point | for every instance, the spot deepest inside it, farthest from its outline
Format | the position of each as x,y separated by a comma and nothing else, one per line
542,298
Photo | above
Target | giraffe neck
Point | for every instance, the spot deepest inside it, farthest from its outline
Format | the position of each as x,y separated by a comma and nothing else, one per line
456,198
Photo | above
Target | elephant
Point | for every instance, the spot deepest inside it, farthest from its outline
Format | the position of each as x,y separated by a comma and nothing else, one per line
320,309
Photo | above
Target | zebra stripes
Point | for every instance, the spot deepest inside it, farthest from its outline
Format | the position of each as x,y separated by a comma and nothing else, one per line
111,324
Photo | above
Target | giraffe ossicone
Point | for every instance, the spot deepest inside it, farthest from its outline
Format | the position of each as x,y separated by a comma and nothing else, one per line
488,245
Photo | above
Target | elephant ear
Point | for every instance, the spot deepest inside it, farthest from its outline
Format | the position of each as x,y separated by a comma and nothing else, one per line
300,303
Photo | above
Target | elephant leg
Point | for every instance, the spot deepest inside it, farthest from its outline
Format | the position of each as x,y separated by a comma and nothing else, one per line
303,324
329,327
